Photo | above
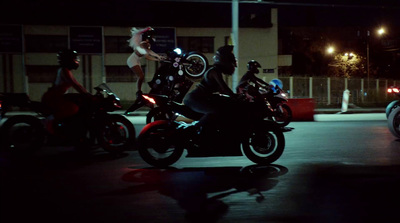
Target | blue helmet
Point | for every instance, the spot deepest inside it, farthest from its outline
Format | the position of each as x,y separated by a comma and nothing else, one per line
276,82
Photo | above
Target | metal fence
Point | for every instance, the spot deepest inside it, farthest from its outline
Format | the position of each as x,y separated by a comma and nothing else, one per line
329,90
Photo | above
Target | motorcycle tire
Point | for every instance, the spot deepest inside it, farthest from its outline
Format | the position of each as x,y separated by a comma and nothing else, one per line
22,134
265,145
391,106
117,134
394,122
198,65
156,144
158,113
283,117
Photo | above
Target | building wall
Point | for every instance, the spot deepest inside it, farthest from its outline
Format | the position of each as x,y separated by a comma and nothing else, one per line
260,44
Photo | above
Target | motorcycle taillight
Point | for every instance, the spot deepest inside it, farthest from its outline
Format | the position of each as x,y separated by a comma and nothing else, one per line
393,90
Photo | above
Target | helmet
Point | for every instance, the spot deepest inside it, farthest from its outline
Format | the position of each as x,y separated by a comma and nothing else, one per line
149,35
276,82
68,58
253,66
225,60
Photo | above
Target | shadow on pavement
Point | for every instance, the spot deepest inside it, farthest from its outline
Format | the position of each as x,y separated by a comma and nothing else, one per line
199,190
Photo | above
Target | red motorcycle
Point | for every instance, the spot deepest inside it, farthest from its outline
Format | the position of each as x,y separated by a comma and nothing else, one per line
92,128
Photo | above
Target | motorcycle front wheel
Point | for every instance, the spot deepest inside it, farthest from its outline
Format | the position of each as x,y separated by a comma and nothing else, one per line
117,134
198,64
156,144
283,115
22,134
394,122
264,145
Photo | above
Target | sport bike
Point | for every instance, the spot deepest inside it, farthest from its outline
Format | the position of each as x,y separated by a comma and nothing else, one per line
92,127
161,143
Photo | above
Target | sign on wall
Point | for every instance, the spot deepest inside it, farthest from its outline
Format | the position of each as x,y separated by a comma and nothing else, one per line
10,39
86,39
165,40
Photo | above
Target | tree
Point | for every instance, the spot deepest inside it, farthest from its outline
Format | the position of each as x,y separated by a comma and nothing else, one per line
347,65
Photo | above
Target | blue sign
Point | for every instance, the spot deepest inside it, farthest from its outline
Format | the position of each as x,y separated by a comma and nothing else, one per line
165,40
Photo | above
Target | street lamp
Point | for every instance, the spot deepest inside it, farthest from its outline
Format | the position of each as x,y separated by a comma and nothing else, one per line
330,50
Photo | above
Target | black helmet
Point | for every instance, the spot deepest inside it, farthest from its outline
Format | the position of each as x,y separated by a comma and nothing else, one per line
149,35
253,66
225,60
68,58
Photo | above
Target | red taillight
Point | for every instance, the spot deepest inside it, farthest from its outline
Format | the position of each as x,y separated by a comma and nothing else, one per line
393,90
150,99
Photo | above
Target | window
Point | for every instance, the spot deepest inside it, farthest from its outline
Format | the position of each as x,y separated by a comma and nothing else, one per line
41,74
117,44
120,74
201,44
45,43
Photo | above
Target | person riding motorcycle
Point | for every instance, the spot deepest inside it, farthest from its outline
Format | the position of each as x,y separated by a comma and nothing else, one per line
250,76
209,96
55,99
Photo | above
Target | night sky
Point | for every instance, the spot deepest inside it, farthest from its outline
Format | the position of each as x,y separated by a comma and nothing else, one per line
198,13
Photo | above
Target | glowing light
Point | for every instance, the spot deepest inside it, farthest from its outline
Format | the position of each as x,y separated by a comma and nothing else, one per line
330,50
178,51
381,31
150,99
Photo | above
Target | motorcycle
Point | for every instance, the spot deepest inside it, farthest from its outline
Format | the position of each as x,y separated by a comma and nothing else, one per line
275,98
161,143
393,113
174,77
93,127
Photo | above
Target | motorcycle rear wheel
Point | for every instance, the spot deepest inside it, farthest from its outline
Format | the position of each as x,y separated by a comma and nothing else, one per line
265,145
117,134
394,122
22,134
198,65
156,144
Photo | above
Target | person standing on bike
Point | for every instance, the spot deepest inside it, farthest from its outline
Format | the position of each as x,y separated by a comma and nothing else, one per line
140,42
54,99
212,96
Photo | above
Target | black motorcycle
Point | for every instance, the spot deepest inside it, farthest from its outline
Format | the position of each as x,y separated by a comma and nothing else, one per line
393,112
174,77
162,142
92,127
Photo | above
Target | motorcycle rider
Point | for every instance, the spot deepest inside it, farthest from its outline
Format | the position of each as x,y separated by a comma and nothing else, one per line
55,99
210,95
140,41
250,76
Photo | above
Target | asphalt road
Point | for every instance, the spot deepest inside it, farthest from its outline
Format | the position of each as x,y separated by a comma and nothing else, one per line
339,168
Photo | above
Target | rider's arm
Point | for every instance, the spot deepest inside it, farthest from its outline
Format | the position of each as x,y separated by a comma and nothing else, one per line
149,54
223,87
75,84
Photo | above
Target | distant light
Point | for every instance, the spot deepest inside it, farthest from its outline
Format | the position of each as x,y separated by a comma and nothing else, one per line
381,31
330,50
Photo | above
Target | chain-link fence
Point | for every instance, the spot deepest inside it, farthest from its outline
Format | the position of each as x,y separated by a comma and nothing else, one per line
329,90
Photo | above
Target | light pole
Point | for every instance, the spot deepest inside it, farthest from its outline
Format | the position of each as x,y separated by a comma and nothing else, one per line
380,32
